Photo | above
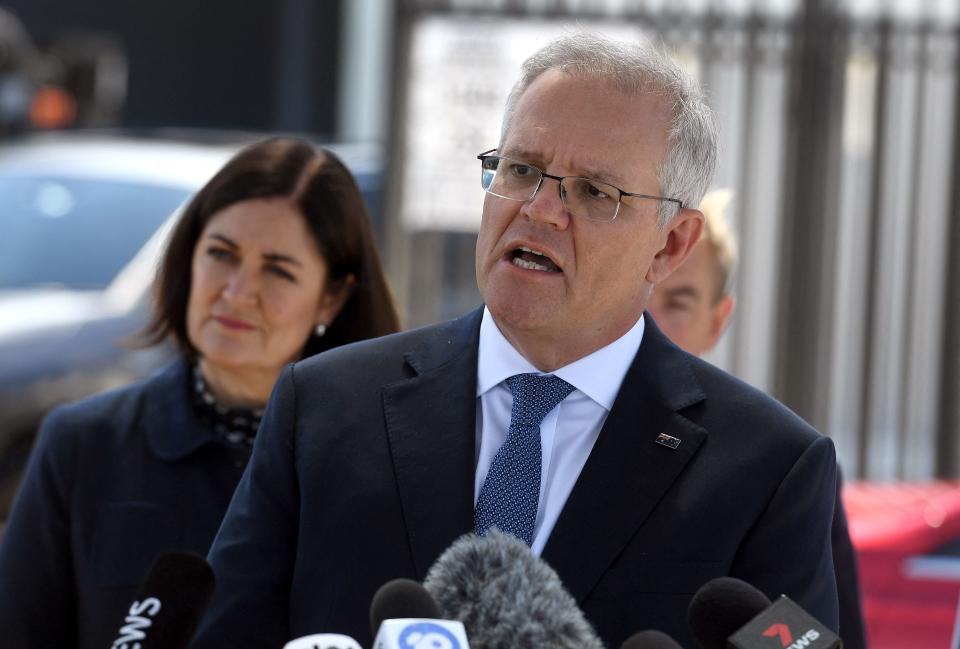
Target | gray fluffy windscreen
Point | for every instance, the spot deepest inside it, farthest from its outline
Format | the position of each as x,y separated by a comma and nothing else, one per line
506,597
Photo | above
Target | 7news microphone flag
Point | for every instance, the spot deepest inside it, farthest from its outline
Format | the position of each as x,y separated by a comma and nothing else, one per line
728,613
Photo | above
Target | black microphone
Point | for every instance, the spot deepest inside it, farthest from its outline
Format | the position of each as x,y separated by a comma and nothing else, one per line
401,598
506,597
403,615
727,613
721,607
650,639
169,604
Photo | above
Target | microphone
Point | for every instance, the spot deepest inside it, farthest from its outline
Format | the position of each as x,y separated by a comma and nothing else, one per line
169,604
727,613
721,607
650,639
323,641
507,597
401,598
403,615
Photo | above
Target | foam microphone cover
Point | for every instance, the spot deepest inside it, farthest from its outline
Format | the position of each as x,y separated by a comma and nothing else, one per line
721,607
650,639
400,599
506,597
170,603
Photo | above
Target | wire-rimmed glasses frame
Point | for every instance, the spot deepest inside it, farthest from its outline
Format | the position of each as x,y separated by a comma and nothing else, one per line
600,194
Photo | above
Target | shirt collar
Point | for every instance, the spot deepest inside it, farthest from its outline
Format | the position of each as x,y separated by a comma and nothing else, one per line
598,375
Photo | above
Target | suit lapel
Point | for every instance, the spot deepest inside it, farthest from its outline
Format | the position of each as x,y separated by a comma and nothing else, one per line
431,430
628,471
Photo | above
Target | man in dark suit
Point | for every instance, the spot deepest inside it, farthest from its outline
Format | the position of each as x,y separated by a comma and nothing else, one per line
558,412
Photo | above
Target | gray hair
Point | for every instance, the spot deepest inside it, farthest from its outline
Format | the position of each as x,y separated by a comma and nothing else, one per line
687,168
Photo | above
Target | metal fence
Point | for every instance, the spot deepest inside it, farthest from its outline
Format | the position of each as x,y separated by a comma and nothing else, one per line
840,137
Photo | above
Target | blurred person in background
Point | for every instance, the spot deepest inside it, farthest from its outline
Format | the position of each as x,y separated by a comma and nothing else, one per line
272,261
692,307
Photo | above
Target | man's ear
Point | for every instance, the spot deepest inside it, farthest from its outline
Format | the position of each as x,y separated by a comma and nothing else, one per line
335,295
683,231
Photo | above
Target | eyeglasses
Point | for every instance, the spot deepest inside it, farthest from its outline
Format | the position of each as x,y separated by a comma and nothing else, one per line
582,197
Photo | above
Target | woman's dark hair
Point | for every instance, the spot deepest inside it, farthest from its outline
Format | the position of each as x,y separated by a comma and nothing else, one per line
328,198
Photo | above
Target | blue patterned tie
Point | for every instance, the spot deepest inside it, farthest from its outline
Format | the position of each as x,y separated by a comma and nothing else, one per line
511,491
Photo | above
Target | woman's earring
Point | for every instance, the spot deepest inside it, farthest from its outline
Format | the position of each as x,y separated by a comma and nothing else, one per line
320,329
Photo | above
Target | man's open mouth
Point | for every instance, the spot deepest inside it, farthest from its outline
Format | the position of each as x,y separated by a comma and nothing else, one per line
533,260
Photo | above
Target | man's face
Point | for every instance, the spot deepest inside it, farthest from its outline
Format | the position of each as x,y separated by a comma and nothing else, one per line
596,284
688,305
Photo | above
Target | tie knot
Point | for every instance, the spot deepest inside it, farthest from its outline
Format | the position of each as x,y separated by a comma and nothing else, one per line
534,395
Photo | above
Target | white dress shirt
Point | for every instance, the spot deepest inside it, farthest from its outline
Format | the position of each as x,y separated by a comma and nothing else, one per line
568,432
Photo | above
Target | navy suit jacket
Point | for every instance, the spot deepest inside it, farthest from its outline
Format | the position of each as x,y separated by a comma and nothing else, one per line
113,482
363,471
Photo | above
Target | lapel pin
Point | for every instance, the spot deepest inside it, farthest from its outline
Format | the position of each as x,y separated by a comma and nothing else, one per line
669,441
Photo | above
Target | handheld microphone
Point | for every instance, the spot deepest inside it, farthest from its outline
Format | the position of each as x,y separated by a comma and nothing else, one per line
403,615
507,597
323,641
169,605
650,639
730,613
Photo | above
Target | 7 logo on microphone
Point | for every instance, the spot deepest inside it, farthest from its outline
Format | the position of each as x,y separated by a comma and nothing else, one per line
784,625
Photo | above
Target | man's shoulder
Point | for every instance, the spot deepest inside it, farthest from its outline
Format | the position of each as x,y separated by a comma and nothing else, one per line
395,355
734,405
712,398
749,434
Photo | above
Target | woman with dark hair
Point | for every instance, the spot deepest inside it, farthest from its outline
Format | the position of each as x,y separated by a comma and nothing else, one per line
271,261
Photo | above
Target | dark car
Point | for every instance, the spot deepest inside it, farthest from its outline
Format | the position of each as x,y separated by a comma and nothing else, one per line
84,220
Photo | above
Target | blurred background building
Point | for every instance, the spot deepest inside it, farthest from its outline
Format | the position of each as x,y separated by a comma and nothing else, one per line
840,136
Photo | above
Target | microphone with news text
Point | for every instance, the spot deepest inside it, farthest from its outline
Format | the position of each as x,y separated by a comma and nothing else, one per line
169,605
403,615
506,597
727,613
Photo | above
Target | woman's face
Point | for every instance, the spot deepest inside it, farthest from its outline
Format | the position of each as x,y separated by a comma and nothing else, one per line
258,287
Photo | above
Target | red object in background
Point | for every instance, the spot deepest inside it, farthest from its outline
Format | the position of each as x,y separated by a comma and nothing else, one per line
907,538
52,107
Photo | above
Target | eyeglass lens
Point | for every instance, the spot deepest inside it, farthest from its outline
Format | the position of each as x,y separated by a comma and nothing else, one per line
518,181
